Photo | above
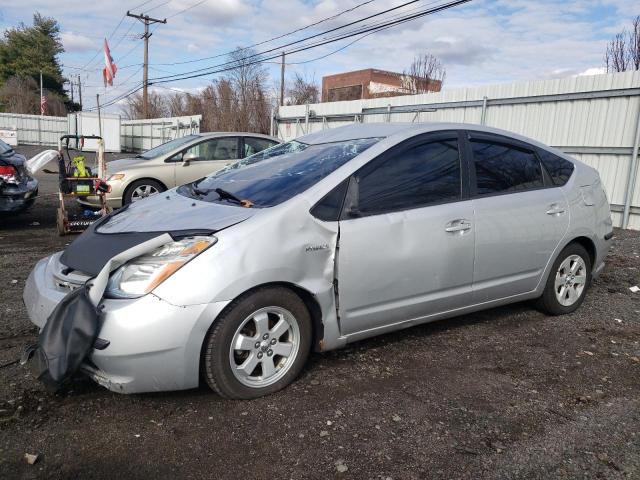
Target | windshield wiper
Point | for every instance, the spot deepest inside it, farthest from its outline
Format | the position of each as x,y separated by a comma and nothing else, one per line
225,195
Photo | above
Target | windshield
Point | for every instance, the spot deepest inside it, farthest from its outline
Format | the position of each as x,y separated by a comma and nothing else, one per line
275,151
167,147
276,174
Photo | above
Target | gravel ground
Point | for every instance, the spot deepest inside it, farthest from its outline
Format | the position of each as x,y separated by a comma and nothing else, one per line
506,393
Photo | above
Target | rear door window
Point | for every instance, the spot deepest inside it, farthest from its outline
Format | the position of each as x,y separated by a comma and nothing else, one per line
502,168
559,169
423,175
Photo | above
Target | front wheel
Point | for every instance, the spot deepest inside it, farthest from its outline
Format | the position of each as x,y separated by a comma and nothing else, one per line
568,281
259,344
141,189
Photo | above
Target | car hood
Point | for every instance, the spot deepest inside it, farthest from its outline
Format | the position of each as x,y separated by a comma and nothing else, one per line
115,166
167,212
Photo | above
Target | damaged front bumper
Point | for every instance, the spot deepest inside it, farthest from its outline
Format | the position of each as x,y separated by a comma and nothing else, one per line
14,198
152,344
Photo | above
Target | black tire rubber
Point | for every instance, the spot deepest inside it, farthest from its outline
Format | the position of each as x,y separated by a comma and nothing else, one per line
548,303
126,198
216,369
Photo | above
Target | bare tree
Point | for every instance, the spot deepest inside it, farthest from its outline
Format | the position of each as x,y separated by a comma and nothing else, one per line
21,94
303,91
157,108
623,51
634,44
616,55
237,101
249,82
425,74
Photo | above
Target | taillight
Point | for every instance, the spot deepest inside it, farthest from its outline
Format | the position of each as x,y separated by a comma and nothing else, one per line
8,173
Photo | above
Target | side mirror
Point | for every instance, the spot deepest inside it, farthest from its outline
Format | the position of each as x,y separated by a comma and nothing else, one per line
353,212
187,158
352,199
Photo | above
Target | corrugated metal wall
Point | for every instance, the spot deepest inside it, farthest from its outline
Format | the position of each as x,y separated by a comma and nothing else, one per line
35,129
134,135
593,118
141,135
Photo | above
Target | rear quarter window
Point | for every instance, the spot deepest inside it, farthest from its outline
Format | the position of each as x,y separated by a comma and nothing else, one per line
559,169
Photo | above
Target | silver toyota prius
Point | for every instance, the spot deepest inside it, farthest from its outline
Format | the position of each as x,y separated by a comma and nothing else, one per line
334,237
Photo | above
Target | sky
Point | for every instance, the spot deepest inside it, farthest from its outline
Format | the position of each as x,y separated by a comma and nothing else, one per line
482,42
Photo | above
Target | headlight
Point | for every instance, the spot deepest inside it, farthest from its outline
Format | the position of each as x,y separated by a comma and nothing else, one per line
115,176
142,274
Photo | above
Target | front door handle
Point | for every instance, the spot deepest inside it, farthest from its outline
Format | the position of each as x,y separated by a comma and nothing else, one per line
555,209
458,226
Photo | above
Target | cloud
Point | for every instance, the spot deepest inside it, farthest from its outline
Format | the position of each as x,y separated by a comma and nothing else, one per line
211,12
593,71
74,42
486,41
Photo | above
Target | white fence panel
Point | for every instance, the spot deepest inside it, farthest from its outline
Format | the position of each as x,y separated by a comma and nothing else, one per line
35,129
141,135
86,123
594,118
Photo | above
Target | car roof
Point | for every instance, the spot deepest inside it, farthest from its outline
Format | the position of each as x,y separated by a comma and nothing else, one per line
384,130
237,134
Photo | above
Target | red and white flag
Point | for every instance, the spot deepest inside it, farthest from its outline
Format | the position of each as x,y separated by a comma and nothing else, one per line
110,69
43,104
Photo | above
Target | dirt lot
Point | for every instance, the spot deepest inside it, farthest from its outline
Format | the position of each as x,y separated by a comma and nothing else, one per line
507,393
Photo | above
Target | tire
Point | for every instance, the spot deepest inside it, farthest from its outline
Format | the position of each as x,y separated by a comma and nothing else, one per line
558,298
237,326
141,189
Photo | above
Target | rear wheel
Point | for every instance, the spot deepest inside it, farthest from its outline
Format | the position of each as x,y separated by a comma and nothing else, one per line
259,345
568,281
141,189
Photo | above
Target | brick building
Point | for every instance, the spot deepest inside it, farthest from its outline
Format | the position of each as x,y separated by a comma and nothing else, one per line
371,83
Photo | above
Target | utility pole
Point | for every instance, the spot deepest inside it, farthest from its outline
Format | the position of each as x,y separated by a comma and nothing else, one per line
282,81
146,20
99,117
41,96
80,92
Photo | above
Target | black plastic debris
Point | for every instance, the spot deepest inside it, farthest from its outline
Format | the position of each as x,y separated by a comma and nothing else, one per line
66,339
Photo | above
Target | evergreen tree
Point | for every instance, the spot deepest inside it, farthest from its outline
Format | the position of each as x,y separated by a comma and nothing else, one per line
25,51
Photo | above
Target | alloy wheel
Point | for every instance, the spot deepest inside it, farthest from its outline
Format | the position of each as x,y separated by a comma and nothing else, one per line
143,191
264,347
571,280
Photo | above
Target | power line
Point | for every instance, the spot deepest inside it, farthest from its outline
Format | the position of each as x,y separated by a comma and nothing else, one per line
281,47
186,9
363,32
259,56
275,38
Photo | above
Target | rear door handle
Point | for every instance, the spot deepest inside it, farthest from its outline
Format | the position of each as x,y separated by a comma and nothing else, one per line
555,209
458,226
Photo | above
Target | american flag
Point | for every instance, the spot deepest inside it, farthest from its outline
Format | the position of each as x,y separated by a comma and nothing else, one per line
110,69
43,104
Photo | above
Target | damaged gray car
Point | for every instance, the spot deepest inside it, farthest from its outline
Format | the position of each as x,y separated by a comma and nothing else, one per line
18,189
329,239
